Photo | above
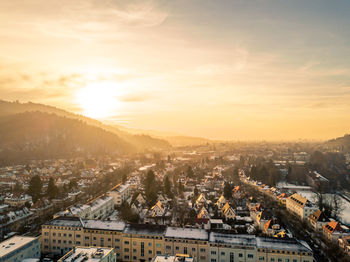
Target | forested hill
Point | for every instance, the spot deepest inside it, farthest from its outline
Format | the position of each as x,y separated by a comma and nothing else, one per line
341,143
139,142
38,135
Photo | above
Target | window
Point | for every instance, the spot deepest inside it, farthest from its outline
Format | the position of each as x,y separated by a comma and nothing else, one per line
261,258
213,260
149,244
232,257
126,249
150,252
240,255
142,249
177,248
272,259
185,250
168,247
250,256
222,253
193,249
213,252
202,250
158,245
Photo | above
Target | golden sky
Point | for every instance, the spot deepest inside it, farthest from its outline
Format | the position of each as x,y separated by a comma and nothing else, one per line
218,69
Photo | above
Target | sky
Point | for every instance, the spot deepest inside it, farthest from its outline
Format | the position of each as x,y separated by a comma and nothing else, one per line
240,70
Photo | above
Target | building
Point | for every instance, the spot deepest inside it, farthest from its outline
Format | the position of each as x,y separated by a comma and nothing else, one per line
97,209
18,201
18,248
176,258
317,181
300,206
317,220
142,242
334,230
89,254
120,194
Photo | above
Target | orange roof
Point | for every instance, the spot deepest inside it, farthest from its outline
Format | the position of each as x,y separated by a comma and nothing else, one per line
267,225
332,226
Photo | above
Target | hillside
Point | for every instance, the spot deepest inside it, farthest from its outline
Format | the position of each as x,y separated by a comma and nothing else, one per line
139,141
341,143
38,135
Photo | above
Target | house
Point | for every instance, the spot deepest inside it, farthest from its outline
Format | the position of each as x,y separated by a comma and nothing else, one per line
203,214
140,199
221,202
157,210
227,212
317,220
334,230
201,200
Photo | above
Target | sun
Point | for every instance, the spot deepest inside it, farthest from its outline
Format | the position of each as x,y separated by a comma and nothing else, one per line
98,100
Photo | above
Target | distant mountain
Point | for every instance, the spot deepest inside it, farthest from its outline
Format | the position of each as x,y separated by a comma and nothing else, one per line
173,138
38,135
140,142
341,143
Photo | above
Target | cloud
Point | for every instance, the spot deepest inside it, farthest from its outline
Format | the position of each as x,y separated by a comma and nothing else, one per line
135,98
81,19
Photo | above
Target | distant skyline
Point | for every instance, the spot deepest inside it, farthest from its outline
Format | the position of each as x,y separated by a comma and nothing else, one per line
247,70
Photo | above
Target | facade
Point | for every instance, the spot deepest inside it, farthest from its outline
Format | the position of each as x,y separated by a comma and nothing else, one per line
89,254
96,209
334,230
300,206
317,220
18,201
176,258
121,194
18,248
142,242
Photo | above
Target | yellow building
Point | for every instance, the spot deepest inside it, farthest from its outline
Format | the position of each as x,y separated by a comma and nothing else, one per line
142,242
300,206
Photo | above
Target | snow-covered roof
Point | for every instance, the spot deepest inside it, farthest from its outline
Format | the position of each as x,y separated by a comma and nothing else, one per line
187,233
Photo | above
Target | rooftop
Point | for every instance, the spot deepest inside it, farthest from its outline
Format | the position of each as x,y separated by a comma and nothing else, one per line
188,233
86,254
145,229
65,222
14,243
246,240
283,244
104,224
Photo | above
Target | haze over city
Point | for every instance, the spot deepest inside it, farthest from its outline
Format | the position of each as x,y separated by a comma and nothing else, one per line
228,70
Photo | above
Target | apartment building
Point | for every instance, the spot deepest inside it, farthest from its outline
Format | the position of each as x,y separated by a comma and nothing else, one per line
121,193
300,206
188,241
96,209
89,254
142,242
18,248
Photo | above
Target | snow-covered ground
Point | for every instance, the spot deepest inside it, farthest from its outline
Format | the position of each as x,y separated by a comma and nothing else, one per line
345,215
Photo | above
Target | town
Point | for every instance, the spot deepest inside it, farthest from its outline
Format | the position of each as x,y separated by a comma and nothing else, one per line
251,202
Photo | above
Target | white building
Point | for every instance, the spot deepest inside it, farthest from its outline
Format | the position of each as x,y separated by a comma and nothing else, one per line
121,194
18,248
89,254
99,208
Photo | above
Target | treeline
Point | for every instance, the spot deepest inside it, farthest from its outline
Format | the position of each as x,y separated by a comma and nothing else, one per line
266,172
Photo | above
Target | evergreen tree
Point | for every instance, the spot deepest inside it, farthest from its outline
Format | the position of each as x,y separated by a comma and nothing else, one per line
52,189
35,186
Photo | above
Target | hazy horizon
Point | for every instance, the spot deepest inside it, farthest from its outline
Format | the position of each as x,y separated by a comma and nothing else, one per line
238,70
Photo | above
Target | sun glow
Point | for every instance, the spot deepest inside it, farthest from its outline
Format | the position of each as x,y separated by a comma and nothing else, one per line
98,100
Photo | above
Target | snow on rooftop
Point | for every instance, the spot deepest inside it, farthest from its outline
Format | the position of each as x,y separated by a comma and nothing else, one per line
86,254
189,233
104,224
